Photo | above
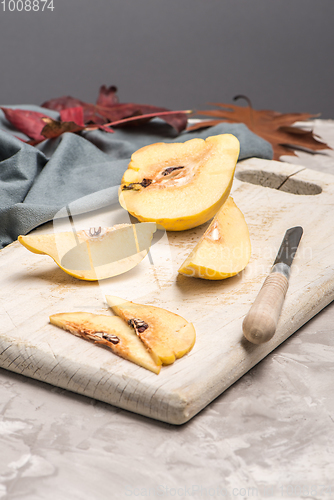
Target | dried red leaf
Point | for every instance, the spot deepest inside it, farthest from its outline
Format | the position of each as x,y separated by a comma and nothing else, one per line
120,111
75,115
107,96
272,126
63,102
90,112
29,122
117,111
55,128
178,118
108,109
93,113
178,121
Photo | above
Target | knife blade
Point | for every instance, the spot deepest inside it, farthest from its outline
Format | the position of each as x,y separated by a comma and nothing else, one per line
260,323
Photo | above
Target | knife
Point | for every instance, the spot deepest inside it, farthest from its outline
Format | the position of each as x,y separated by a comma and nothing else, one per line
260,323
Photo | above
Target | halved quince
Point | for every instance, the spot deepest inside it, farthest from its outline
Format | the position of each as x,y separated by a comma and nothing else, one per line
166,335
180,185
108,331
97,253
224,250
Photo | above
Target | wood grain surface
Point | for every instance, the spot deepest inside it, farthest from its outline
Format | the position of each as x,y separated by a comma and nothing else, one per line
273,197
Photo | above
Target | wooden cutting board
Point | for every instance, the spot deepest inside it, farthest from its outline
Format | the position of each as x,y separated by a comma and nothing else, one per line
273,197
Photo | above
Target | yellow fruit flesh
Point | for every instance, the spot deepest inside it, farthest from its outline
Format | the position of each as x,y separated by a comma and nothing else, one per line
224,250
105,330
111,252
189,181
188,222
168,336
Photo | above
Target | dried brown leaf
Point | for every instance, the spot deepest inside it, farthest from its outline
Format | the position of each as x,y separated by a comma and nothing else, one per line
54,128
272,126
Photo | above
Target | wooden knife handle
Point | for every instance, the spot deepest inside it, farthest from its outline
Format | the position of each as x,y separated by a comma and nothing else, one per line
260,323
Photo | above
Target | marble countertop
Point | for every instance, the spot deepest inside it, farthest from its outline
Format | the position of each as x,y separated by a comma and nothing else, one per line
270,435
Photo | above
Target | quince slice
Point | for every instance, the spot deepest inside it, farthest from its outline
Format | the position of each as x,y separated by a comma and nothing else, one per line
166,335
97,253
224,250
180,185
110,332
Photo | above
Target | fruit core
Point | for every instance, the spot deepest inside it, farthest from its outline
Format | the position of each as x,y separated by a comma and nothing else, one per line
110,338
213,233
138,324
98,232
167,175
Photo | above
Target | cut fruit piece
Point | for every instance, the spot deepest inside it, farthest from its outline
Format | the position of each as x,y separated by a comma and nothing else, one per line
180,185
108,331
97,253
166,335
224,250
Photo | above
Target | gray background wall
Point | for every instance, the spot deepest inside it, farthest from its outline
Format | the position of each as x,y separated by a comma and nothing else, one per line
175,53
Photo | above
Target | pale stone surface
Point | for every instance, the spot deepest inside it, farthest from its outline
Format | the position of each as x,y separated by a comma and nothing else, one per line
270,435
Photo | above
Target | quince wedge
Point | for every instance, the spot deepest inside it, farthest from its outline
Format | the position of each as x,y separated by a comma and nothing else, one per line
97,253
224,249
180,185
166,335
108,331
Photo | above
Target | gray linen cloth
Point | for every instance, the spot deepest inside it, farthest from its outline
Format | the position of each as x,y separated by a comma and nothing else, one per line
37,182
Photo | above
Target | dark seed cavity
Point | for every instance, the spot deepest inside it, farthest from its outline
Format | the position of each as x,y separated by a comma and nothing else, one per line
95,231
133,185
111,338
146,182
169,170
138,324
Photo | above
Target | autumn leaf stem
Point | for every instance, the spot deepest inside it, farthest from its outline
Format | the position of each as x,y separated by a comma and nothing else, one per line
250,107
148,115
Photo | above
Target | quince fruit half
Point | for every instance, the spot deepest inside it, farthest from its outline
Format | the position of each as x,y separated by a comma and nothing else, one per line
166,335
97,253
110,332
180,185
224,249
